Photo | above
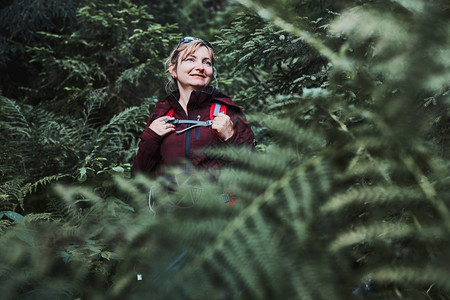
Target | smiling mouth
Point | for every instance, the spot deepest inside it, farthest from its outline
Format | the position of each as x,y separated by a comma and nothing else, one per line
198,75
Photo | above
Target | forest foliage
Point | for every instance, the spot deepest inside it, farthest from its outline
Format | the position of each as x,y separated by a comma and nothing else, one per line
347,196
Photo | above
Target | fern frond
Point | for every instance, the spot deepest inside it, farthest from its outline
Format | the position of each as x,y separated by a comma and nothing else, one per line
120,130
13,120
30,187
374,196
10,194
5,224
286,133
386,233
38,217
412,276
96,98
240,225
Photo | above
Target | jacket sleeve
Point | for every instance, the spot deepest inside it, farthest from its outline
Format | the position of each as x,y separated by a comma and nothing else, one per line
243,134
148,156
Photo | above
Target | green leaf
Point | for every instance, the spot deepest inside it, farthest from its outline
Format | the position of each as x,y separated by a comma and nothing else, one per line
65,256
82,177
12,215
118,169
106,255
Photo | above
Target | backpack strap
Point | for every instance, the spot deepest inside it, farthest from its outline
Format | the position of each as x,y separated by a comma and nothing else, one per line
226,197
217,108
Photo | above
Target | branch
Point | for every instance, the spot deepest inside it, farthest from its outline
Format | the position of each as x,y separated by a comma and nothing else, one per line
307,37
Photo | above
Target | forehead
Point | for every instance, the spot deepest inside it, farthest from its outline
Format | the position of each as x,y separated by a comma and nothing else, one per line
196,50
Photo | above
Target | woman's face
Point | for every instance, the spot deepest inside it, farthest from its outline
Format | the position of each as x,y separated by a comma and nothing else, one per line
195,71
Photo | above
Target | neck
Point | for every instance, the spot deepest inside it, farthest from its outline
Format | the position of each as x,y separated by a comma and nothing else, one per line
185,95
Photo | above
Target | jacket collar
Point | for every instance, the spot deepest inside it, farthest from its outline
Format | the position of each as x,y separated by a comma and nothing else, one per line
199,96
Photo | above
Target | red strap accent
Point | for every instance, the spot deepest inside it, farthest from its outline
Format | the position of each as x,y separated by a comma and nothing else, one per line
223,109
230,202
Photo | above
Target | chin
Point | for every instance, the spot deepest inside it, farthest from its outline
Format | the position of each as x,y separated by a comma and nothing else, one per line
200,86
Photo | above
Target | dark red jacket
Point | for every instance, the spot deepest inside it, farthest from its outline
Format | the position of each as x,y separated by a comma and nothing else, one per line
186,149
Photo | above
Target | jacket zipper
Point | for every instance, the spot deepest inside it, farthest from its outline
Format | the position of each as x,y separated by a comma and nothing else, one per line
188,136
188,142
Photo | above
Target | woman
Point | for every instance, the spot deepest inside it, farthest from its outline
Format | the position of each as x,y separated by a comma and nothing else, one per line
183,124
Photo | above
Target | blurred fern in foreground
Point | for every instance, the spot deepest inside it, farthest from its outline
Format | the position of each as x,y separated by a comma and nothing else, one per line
348,199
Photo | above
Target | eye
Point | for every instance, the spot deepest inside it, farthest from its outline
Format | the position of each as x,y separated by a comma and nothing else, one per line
208,63
189,59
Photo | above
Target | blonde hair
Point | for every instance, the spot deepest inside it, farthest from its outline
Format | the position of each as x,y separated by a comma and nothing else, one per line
190,47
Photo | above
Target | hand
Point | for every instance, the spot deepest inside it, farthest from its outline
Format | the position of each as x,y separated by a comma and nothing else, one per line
223,125
161,127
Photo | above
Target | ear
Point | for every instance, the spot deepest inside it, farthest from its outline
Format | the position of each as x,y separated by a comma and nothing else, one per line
172,71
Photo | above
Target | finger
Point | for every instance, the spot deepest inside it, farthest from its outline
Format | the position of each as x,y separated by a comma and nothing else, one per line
222,116
215,127
221,123
217,124
219,120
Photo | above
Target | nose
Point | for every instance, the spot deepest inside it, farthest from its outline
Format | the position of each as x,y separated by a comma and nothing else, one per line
199,66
